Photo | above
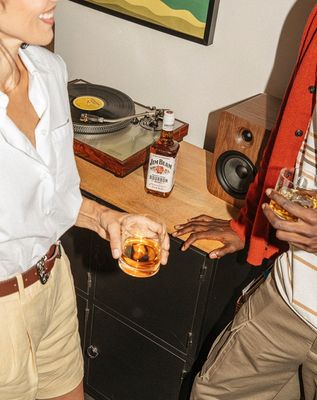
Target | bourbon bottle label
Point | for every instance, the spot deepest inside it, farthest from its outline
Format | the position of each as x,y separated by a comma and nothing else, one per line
161,173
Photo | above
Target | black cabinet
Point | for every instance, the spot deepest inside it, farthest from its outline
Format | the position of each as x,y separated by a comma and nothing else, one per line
163,307
144,339
131,365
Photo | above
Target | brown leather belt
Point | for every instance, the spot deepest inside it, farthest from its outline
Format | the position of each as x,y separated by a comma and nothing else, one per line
39,272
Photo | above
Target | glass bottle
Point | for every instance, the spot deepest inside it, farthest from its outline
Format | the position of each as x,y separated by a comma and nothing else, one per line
162,160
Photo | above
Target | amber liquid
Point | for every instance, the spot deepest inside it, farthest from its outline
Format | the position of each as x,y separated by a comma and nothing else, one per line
140,257
165,146
305,198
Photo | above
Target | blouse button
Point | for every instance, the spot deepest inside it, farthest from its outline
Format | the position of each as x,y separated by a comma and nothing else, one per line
312,89
299,133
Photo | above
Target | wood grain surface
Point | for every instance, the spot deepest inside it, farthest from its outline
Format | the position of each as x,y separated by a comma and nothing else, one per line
190,196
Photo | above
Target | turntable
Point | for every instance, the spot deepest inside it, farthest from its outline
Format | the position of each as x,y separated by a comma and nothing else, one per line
111,130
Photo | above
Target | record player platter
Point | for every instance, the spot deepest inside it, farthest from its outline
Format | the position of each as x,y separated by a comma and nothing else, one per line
101,101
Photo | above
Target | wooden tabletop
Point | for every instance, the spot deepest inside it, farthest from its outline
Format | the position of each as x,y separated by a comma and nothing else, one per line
189,197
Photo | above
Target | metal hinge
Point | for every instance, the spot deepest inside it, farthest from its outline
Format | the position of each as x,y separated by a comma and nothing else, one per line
89,281
203,271
189,341
87,311
188,363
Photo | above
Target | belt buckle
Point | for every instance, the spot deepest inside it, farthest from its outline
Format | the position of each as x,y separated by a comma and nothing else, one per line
41,270
59,247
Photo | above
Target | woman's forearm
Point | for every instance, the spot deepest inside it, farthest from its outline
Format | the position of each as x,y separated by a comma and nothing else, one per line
102,220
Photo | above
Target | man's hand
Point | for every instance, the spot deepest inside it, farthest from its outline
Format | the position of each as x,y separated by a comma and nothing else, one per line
205,227
302,233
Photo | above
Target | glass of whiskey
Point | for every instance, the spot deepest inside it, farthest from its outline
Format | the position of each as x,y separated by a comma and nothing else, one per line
296,189
141,236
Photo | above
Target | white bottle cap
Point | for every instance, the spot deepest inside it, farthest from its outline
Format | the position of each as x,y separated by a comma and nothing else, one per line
168,120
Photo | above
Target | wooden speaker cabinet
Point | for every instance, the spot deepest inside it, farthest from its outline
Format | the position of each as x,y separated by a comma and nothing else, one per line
242,134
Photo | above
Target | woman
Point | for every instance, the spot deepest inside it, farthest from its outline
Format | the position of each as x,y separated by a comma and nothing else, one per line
40,199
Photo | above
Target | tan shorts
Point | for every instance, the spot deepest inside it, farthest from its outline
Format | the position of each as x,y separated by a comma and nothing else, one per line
40,348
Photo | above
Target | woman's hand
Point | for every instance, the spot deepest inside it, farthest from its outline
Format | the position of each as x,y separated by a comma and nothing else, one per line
107,223
301,233
113,222
206,227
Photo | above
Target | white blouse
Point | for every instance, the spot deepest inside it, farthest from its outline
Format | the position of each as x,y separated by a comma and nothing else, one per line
39,187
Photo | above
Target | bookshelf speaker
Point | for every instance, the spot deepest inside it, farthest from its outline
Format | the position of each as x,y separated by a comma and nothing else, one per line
241,137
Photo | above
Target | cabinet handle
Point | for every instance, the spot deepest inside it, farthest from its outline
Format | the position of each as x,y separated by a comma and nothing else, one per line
92,352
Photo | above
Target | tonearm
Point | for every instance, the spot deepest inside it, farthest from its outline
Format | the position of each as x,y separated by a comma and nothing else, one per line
154,113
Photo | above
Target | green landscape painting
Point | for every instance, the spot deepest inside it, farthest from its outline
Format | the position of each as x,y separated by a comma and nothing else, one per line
192,19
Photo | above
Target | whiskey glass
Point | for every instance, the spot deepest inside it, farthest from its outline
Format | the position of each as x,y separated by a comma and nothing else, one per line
296,189
141,237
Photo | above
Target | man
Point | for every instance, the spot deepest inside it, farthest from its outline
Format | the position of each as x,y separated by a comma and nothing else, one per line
275,331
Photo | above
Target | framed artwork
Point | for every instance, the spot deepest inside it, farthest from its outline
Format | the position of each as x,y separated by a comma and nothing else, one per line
189,19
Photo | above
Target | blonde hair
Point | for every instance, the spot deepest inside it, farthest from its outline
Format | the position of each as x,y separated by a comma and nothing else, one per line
9,71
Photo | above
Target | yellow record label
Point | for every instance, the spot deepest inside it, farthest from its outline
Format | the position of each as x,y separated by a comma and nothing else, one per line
88,103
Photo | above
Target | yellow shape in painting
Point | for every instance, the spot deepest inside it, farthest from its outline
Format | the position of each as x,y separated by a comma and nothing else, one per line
88,103
157,7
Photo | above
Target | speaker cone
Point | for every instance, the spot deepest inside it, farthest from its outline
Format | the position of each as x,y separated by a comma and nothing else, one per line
235,172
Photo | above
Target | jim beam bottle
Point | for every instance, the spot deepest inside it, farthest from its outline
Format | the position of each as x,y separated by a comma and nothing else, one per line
162,161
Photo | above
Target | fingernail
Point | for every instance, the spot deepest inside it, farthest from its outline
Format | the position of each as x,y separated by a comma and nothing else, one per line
183,248
263,206
115,253
174,233
213,255
176,226
268,192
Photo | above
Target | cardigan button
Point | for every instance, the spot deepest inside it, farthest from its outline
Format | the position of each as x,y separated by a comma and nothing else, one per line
299,133
312,89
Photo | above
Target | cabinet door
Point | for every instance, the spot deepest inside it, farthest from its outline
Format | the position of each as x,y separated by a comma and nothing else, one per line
127,366
82,309
77,245
163,306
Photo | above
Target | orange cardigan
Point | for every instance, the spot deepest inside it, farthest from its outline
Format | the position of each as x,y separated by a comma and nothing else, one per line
282,149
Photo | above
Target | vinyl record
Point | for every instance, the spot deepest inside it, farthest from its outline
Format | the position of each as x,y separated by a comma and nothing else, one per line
101,101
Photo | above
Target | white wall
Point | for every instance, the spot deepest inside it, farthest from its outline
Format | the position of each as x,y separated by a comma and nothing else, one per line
254,49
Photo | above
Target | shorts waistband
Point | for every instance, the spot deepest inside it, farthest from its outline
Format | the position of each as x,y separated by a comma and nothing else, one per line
39,272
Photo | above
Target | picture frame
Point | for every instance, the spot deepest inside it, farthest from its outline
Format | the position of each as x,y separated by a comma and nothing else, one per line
193,20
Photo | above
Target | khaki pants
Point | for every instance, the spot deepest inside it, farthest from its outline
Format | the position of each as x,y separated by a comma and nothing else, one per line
258,356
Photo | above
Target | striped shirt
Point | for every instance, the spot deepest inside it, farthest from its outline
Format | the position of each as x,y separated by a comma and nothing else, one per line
296,270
